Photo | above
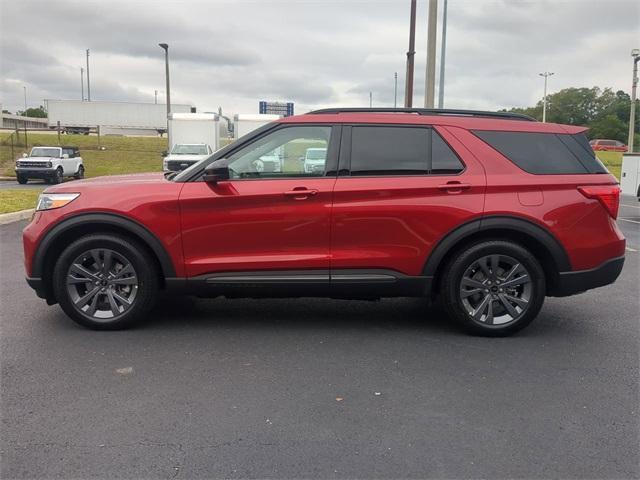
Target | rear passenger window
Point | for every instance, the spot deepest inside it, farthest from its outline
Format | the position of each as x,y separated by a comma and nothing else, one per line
400,151
545,153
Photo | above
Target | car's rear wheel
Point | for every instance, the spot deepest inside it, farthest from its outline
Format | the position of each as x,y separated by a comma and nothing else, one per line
105,282
80,173
493,288
22,179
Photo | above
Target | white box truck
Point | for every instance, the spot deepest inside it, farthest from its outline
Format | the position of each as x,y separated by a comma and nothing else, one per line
192,137
630,175
244,123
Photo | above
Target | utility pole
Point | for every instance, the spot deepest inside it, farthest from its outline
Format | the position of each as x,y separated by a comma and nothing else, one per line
25,98
430,83
82,83
395,89
443,49
546,75
370,99
165,47
408,90
88,82
635,53
156,100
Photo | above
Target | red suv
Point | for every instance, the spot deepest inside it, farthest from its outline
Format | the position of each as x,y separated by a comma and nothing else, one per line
486,212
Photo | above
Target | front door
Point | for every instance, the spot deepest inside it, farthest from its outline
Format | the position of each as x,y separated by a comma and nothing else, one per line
271,215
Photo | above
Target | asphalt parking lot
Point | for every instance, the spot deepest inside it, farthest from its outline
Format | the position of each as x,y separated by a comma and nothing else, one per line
315,388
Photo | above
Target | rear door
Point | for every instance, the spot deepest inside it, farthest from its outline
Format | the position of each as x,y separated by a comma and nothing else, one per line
400,190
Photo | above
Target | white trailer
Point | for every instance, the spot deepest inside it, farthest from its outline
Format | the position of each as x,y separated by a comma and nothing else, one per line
111,117
630,176
245,123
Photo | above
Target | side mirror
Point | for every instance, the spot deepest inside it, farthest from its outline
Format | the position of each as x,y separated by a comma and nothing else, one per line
24,155
218,171
165,153
65,155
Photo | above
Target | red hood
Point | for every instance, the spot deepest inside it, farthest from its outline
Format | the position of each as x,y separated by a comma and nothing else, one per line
128,181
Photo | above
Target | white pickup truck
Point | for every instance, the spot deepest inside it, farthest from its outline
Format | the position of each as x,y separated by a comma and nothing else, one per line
183,155
51,164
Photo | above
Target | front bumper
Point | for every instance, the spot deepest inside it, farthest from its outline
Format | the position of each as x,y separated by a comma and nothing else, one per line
570,283
36,173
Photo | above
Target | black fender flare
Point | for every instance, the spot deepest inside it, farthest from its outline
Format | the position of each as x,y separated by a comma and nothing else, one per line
109,219
516,224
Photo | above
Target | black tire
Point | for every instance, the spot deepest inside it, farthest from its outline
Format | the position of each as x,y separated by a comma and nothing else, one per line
58,176
458,297
22,180
144,271
80,173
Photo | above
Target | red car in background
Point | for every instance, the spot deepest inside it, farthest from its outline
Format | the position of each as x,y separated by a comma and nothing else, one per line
607,145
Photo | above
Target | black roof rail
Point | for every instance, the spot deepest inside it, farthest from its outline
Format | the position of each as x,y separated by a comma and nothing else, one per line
430,111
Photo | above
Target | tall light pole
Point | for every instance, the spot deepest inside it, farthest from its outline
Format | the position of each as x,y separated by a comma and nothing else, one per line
430,83
544,99
156,97
443,49
25,98
370,99
395,89
635,53
88,82
408,89
82,83
165,47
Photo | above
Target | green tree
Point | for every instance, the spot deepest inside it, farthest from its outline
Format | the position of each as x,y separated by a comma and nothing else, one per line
35,112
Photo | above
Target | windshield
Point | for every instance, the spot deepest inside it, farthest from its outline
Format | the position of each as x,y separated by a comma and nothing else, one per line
182,149
45,152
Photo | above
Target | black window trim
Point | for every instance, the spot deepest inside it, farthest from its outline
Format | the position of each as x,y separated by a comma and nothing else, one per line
333,151
344,165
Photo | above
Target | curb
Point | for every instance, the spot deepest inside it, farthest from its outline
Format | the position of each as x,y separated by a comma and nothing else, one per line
6,218
7,179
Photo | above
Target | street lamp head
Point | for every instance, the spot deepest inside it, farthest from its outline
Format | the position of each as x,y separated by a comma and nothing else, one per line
164,46
635,52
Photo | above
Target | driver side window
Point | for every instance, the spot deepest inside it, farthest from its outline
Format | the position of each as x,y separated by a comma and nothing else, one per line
287,152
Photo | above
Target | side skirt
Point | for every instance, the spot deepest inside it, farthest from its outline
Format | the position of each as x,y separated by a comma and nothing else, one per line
347,284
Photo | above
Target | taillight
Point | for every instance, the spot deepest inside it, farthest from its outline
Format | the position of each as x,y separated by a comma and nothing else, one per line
607,195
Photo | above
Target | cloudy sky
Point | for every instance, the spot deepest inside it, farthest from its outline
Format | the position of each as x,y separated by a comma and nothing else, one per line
316,53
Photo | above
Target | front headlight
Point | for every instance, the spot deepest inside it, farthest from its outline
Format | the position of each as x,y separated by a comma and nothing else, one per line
48,201
49,164
17,163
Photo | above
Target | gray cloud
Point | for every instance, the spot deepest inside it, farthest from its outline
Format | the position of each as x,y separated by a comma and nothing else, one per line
315,53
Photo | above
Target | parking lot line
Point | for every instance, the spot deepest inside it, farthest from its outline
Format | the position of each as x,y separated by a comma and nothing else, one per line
627,220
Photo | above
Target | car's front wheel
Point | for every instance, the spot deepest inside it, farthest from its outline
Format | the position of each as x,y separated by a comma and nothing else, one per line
22,179
58,176
493,288
105,282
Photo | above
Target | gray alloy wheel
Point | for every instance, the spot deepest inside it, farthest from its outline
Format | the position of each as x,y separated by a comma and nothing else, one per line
58,177
102,284
496,290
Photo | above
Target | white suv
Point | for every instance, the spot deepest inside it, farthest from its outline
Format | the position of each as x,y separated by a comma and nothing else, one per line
51,164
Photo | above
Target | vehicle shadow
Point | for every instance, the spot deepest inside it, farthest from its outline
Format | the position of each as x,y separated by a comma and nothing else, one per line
298,313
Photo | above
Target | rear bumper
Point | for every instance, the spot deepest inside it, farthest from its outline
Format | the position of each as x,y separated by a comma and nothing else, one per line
570,283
